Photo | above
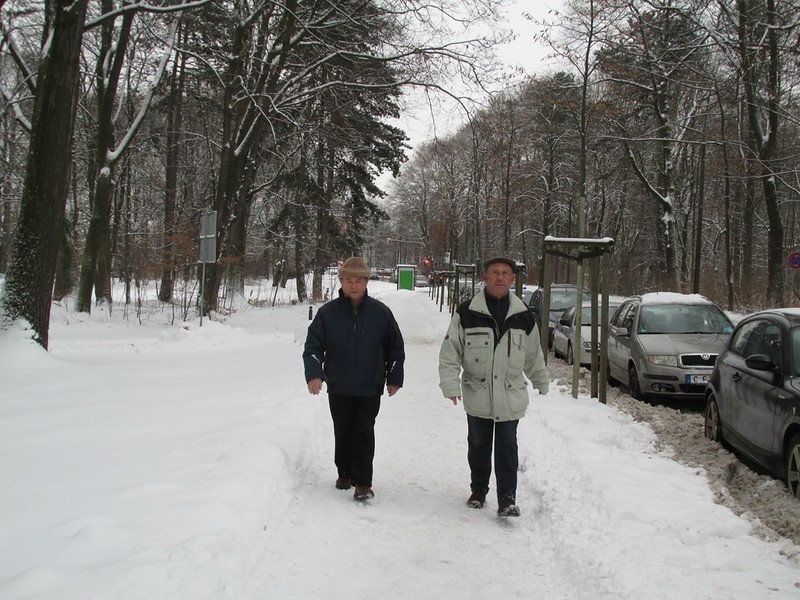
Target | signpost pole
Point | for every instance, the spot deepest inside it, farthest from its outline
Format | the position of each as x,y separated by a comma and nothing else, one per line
208,250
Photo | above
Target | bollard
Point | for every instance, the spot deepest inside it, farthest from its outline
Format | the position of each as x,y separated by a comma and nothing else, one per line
310,312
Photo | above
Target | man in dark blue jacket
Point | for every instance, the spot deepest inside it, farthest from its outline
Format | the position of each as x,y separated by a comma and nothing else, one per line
354,344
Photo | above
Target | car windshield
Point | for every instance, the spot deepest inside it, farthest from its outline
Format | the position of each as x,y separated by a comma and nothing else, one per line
526,297
586,313
561,300
683,318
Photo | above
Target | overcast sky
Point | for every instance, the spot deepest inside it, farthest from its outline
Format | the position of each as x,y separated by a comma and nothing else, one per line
422,122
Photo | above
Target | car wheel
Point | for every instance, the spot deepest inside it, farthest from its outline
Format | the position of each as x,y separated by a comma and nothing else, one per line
633,384
712,426
570,357
793,466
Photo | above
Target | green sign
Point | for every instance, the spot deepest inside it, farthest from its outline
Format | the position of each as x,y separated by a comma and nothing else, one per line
405,278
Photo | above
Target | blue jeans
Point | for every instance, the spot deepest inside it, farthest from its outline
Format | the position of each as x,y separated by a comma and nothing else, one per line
506,457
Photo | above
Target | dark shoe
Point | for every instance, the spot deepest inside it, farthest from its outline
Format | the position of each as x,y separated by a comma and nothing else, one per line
476,500
363,492
344,483
507,508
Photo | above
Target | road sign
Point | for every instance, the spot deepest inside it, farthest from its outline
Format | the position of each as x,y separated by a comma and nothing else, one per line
208,237
794,260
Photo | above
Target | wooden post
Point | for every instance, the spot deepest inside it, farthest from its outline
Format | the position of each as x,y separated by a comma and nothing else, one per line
544,314
603,370
584,249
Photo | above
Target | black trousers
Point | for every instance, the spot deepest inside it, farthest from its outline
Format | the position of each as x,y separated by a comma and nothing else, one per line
354,433
506,458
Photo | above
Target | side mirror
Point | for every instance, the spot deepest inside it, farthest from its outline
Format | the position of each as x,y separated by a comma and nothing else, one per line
760,362
623,332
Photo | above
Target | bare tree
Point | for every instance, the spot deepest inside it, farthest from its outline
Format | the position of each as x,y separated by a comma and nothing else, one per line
761,26
29,280
96,267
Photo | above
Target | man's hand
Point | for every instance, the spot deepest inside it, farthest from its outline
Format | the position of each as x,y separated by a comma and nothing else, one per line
392,389
315,386
455,399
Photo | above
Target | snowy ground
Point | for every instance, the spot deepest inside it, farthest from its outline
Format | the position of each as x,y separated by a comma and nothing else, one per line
763,500
167,460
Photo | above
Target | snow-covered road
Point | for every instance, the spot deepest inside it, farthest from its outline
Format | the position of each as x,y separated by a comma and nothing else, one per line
173,461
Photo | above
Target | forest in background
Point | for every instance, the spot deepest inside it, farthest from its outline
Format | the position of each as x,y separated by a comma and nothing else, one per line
671,127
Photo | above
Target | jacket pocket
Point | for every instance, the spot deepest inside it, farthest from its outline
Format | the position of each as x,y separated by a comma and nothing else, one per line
475,383
516,395
476,397
477,352
516,349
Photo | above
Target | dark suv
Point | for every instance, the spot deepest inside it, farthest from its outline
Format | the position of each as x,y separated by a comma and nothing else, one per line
562,297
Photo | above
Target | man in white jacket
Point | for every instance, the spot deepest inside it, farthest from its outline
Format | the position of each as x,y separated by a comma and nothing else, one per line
491,343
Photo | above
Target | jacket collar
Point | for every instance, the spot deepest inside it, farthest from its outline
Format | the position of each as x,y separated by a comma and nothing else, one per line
344,300
478,304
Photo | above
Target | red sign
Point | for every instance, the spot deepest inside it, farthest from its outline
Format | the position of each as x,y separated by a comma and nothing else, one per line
794,260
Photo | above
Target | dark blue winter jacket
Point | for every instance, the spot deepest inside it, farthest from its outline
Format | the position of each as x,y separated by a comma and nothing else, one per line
355,350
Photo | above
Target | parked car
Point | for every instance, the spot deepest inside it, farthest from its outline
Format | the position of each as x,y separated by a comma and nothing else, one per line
420,280
527,295
564,332
384,273
562,296
466,290
665,344
753,397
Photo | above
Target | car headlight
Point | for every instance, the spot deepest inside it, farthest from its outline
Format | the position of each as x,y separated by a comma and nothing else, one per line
664,360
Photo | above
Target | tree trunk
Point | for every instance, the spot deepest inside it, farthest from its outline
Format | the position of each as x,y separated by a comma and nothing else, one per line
64,278
233,254
764,143
322,255
96,266
29,280
172,165
96,237
748,245
300,240
698,230
231,204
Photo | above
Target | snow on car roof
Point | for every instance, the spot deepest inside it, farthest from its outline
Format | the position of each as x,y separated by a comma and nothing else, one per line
792,312
673,298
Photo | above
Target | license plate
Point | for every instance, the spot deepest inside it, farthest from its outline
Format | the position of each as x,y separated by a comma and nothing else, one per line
696,379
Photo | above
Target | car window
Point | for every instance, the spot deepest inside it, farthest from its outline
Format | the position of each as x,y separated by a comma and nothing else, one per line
794,347
772,343
683,318
744,338
536,300
569,313
562,299
619,316
759,337
627,320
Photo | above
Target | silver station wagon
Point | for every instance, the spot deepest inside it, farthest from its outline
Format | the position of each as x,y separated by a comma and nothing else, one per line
665,344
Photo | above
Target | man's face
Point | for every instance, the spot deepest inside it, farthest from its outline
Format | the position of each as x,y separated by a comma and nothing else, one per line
354,288
498,278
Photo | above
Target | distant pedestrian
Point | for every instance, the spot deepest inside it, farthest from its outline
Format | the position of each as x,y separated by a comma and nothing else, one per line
355,346
491,342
